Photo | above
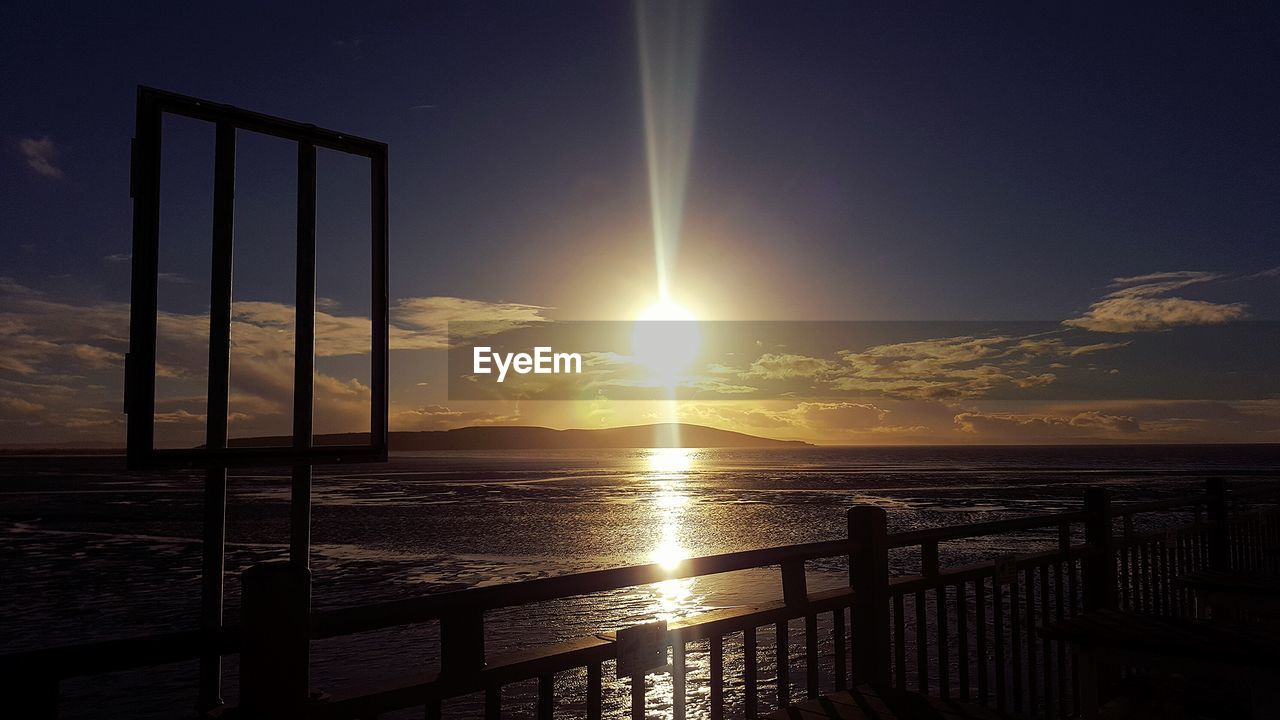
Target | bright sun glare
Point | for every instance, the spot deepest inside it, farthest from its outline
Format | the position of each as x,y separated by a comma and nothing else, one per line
665,341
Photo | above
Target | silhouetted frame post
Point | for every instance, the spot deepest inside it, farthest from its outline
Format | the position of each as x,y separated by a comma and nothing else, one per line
274,680
869,580
304,361
1099,569
213,547
1219,535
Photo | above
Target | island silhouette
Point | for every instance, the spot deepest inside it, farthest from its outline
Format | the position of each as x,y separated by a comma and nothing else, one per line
528,437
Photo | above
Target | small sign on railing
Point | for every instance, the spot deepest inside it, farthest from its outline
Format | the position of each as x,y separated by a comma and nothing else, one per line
642,648
1007,569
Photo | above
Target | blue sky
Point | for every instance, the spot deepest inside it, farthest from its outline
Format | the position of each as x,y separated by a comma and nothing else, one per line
926,162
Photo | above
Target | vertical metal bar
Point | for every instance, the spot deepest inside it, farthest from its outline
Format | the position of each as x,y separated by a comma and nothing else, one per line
811,654
717,677
782,644
637,697
839,650
980,621
962,634
944,648
220,283
1015,643
433,709
380,306
304,360
1033,679
140,384
213,546
1145,565
749,673
922,644
678,693
493,702
929,559
997,639
595,691
546,696
1045,658
1061,647
899,642
1125,589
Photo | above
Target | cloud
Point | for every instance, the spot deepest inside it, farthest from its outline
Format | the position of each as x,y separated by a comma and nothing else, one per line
423,323
118,257
786,366
1142,304
442,417
41,156
1031,427
42,339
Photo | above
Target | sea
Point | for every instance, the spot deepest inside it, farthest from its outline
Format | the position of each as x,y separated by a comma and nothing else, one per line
89,551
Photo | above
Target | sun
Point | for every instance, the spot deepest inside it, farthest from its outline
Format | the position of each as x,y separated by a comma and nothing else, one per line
665,342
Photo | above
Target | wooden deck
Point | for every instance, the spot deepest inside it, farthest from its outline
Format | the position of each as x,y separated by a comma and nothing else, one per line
868,703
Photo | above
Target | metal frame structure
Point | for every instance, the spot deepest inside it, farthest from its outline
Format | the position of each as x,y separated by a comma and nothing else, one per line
140,392
140,364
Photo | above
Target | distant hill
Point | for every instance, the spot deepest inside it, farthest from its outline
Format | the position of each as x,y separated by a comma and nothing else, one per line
509,437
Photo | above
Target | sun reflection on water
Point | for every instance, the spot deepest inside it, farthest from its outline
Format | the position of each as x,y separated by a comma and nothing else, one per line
668,470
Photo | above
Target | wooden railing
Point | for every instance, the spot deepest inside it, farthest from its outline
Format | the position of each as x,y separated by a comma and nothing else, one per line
964,632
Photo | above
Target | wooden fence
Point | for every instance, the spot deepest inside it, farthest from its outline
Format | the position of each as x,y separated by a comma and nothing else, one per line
964,632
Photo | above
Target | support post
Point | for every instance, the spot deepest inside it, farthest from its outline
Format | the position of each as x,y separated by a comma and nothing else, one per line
869,579
1099,566
213,546
275,647
462,643
1219,536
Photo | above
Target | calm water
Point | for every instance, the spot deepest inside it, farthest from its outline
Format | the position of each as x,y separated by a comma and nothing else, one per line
88,551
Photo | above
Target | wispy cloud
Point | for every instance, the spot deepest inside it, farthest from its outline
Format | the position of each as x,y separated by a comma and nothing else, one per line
41,156
1144,303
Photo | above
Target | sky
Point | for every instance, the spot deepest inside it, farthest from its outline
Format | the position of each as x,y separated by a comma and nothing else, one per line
1113,173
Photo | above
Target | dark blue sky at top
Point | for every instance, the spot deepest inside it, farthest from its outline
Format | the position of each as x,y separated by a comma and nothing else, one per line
906,160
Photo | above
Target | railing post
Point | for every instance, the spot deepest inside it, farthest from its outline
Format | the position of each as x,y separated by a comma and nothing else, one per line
462,643
1099,567
869,580
274,658
1219,537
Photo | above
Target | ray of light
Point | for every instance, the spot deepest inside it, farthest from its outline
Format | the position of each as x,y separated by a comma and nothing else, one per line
670,42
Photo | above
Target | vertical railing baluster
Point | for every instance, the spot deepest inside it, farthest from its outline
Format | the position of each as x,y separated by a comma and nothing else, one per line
1015,642
749,673
944,646
637,696
840,651
997,631
962,635
1058,615
899,641
678,677
493,702
546,696
922,643
811,654
1045,658
980,625
1033,679
782,644
717,677
595,691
